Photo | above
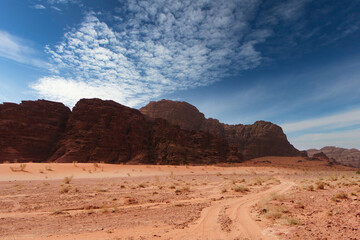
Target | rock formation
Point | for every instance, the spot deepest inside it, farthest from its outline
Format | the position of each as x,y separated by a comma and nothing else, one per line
320,156
348,157
29,131
98,130
256,140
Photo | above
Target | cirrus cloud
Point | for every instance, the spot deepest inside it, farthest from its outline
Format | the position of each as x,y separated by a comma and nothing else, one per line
151,48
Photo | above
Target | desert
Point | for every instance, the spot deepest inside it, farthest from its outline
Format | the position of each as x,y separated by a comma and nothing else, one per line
264,198
179,120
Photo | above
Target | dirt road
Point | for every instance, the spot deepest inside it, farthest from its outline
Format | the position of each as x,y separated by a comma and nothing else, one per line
230,219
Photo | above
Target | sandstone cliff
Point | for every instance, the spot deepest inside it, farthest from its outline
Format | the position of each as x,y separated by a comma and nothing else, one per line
348,157
29,131
256,140
98,130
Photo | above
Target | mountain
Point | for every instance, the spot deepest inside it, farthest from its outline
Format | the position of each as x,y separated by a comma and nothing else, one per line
256,140
29,131
98,130
348,157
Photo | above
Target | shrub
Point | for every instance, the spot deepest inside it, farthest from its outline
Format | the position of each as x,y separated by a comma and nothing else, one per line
20,168
65,189
293,221
67,180
48,168
240,188
182,190
339,196
320,185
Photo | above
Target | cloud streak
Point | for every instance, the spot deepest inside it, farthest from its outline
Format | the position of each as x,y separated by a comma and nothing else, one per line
17,49
341,129
335,121
39,6
346,139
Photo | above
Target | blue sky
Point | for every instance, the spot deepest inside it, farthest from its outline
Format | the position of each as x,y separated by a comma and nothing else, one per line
295,63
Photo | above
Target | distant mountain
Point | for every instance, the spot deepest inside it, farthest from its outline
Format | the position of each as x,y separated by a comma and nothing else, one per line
252,141
348,157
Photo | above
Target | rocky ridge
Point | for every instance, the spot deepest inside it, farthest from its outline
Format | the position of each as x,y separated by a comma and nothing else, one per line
98,130
347,157
259,139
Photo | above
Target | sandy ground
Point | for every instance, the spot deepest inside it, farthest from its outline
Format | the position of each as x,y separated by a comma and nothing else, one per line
266,198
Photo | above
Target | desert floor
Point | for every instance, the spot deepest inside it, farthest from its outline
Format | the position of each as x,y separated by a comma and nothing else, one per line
265,198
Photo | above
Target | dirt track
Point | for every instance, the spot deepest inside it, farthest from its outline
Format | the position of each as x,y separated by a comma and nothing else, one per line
239,224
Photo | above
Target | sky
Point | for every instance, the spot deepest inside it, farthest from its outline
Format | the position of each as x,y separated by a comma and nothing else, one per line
295,63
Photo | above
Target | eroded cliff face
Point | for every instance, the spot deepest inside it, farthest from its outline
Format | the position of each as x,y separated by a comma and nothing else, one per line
29,131
98,130
256,140
347,157
181,114
103,130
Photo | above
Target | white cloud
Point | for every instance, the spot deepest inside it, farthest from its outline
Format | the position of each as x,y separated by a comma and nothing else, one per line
346,139
341,129
156,47
56,8
335,121
17,49
58,89
39,6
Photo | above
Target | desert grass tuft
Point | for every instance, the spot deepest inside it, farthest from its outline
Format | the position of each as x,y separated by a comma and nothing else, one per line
20,168
240,188
67,180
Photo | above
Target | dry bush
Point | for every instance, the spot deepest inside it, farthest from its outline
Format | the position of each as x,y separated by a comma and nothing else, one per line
102,190
182,190
65,189
20,168
48,168
67,180
274,212
320,185
240,188
292,221
339,196
258,181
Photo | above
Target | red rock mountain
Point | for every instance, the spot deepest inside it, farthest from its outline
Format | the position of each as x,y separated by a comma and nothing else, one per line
28,131
348,157
256,140
98,130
